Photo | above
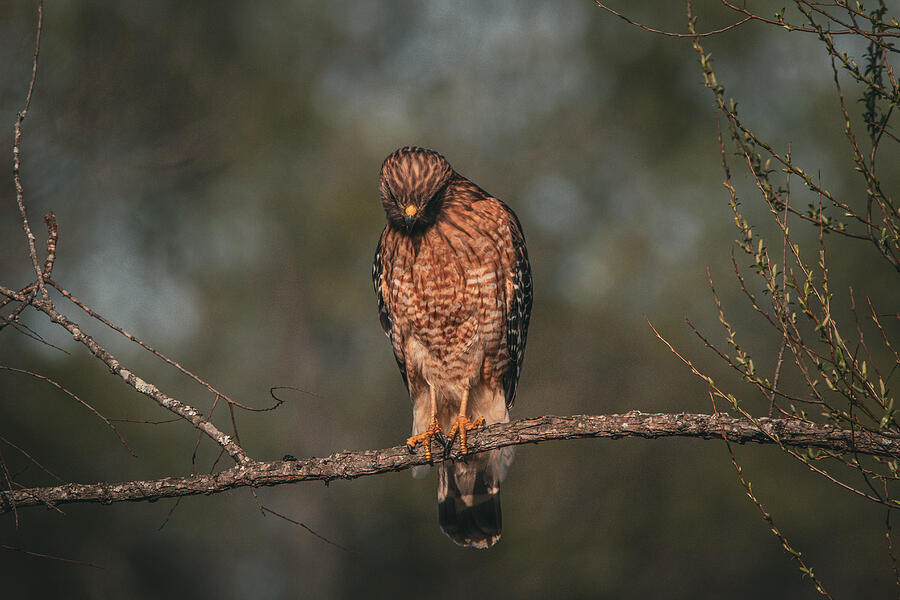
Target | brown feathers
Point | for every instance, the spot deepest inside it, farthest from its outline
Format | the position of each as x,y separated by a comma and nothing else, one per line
454,291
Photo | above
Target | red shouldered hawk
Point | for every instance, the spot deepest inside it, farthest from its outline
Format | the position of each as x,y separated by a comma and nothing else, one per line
454,294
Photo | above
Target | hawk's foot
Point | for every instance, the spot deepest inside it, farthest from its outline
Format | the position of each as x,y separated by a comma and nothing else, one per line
462,426
433,431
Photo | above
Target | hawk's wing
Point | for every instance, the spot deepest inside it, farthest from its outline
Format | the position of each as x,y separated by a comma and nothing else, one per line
518,308
384,311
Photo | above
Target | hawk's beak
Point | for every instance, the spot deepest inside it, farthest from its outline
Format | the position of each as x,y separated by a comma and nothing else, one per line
409,215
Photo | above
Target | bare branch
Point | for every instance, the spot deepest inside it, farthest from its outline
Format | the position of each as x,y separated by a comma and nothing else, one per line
186,412
149,348
351,465
20,195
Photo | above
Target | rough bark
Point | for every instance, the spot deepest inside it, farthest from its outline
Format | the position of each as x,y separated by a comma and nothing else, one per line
350,465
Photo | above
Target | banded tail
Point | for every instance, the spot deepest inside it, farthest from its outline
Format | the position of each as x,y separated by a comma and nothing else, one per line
469,497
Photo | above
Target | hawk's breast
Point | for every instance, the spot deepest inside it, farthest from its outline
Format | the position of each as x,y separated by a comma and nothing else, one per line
449,294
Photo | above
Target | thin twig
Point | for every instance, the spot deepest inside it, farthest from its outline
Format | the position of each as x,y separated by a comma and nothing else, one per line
266,509
185,411
32,459
153,351
782,298
748,489
50,556
75,397
631,21
17,144
9,485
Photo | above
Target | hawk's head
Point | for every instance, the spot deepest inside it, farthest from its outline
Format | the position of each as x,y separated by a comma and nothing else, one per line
412,185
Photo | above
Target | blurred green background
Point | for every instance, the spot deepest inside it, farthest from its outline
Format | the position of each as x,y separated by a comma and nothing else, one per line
213,167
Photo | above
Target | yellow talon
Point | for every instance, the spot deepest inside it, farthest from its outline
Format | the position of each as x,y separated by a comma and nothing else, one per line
434,430
462,426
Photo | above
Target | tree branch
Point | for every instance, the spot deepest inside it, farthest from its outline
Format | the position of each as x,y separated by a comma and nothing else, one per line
17,145
185,411
350,465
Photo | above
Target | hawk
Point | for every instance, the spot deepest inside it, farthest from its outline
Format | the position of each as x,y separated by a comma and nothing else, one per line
454,291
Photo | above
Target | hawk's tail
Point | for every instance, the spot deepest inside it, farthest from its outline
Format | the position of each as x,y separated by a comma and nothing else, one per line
469,497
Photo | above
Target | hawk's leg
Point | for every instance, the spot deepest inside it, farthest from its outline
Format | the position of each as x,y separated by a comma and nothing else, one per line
463,425
433,431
